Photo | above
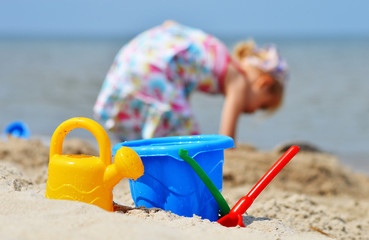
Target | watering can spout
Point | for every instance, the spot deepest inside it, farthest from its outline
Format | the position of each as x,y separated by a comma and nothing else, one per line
127,164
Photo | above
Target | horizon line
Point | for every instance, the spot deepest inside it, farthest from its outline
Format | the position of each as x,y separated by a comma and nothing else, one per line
227,36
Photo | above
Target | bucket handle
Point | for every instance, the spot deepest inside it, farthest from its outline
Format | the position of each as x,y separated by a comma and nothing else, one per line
96,129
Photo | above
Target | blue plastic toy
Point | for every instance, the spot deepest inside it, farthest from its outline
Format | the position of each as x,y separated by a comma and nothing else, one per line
17,129
170,183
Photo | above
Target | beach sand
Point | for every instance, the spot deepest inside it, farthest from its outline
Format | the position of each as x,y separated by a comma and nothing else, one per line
314,197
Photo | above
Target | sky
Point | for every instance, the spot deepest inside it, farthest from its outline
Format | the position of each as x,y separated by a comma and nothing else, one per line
233,17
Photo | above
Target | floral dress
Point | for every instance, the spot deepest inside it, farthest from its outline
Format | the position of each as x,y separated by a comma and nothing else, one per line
146,91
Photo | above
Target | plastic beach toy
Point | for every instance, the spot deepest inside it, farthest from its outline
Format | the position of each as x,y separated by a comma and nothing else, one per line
234,218
84,178
170,183
17,129
223,205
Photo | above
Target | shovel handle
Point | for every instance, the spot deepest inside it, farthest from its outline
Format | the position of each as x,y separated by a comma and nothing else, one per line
245,202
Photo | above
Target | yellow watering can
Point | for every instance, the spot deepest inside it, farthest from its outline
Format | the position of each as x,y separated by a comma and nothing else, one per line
85,178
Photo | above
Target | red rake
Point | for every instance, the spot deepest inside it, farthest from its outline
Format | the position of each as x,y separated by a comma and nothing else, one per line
234,217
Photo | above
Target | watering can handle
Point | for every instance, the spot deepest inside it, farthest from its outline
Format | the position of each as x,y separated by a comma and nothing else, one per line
96,129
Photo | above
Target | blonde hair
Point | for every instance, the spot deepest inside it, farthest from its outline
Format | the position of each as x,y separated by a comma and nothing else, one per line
277,90
265,58
245,49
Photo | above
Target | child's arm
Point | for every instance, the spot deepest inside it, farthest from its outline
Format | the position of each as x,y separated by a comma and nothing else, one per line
229,119
235,97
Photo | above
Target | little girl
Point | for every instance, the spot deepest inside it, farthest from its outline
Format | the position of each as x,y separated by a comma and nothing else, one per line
146,92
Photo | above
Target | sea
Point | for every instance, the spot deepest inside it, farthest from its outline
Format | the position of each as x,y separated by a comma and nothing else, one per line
44,81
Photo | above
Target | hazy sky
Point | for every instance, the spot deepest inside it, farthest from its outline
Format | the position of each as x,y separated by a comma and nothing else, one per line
113,17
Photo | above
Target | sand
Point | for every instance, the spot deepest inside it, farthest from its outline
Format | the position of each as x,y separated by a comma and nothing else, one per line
314,197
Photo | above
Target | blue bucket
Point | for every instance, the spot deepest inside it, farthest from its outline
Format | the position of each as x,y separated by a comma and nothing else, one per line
170,183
